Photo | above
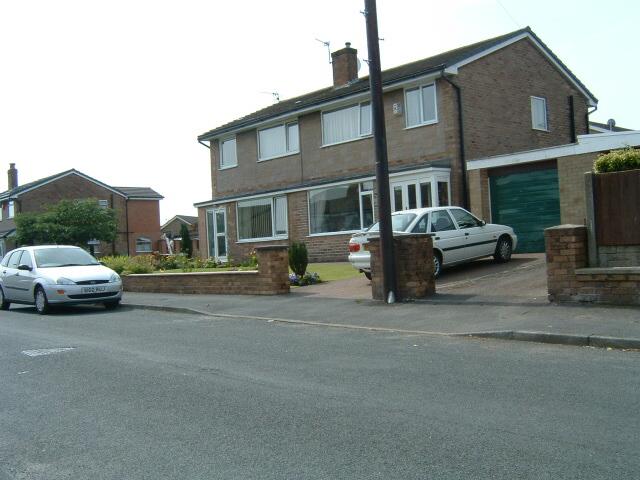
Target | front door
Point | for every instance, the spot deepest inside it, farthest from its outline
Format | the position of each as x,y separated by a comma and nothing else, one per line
217,232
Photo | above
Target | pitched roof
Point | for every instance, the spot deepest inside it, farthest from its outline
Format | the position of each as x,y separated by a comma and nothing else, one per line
605,127
127,192
134,193
191,220
393,75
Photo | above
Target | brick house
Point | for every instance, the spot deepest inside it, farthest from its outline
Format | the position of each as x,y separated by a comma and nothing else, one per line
172,230
137,208
304,170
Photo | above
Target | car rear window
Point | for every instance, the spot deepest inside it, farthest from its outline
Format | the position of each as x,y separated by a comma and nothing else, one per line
399,222
63,257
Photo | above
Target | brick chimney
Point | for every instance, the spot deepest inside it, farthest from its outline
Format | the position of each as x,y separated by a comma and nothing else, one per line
12,174
345,65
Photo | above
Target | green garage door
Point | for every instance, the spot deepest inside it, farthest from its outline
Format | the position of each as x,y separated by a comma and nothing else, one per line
528,202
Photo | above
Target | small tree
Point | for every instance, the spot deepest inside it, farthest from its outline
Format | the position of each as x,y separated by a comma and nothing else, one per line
72,222
298,258
187,244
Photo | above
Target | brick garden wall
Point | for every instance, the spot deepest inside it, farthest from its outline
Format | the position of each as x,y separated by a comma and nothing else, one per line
569,279
272,278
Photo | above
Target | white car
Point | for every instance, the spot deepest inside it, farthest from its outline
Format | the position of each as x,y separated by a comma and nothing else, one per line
56,274
458,237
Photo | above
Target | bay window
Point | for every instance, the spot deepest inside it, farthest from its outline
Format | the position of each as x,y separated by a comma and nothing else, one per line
342,208
262,218
346,124
420,105
278,141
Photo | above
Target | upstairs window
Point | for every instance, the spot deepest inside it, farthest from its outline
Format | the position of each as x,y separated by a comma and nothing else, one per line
228,156
11,210
420,105
278,141
346,124
103,203
539,114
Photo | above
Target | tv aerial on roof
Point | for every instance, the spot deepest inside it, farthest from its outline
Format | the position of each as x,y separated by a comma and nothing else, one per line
326,44
275,95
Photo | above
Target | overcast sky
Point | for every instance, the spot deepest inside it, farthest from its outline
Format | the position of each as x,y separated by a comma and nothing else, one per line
121,89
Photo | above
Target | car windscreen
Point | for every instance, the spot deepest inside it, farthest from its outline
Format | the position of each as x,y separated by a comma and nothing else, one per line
63,257
399,222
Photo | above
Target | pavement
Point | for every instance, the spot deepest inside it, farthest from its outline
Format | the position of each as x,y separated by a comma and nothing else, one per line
482,299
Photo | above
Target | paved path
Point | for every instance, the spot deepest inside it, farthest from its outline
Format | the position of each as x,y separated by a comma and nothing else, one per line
491,303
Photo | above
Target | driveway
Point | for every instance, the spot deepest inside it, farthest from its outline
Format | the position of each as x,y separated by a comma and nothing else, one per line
522,280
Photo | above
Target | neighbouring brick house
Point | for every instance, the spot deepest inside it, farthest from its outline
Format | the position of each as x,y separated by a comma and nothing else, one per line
304,169
137,208
172,228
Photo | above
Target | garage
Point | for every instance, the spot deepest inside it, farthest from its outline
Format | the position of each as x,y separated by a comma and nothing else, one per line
528,200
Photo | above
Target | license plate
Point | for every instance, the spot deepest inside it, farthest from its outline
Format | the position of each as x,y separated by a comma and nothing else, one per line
93,289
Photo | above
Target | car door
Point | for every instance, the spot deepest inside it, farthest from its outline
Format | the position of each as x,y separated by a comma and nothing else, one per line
479,240
24,278
447,237
9,274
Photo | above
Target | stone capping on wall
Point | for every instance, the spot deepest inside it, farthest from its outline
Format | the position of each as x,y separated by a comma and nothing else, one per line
569,279
414,266
271,278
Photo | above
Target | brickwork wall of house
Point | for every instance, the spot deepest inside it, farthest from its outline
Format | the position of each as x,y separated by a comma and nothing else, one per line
496,92
619,256
479,202
173,229
74,187
571,172
203,245
144,221
429,145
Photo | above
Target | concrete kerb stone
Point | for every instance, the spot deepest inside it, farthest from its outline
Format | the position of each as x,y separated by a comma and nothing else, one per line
597,341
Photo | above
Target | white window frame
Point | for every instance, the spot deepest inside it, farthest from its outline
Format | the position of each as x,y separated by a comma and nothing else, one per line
361,193
534,125
287,151
422,121
10,209
1,211
103,203
221,164
345,107
274,235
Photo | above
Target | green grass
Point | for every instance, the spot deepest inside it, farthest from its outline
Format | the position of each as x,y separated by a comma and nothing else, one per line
333,271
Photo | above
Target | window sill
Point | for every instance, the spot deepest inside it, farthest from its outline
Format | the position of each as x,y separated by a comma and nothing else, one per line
433,122
546,130
364,137
328,234
263,239
288,154
228,167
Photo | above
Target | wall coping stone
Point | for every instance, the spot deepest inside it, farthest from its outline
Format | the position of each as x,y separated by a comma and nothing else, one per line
608,271
178,274
566,226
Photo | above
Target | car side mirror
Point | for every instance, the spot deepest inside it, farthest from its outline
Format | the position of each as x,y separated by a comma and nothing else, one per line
22,266
483,223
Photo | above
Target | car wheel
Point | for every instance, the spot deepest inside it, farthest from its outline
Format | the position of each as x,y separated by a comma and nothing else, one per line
437,264
112,305
368,275
4,305
42,304
503,250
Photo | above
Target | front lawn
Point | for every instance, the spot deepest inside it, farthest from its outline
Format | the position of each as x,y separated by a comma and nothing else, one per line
329,272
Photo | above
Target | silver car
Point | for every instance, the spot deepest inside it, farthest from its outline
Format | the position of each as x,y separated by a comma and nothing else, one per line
458,237
56,274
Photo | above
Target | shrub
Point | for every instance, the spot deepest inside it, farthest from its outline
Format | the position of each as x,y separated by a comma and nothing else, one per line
251,260
298,258
618,160
139,264
117,263
187,244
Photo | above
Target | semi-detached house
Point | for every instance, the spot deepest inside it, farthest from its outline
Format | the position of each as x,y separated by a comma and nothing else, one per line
304,169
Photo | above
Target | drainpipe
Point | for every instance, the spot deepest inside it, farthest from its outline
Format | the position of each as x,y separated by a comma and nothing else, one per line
126,212
572,121
463,161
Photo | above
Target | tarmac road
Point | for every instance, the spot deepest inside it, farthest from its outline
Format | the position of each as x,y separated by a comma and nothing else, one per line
153,395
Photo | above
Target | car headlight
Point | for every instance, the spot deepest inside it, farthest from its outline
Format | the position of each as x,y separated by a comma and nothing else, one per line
114,278
65,281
